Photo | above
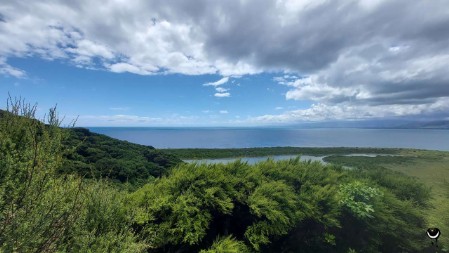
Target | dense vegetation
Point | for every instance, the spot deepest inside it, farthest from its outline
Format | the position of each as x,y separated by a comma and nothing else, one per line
100,156
285,206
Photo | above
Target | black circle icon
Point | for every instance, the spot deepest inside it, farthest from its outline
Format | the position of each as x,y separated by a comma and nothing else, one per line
433,233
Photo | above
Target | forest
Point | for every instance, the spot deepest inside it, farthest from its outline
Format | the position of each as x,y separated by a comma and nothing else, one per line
99,156
70,190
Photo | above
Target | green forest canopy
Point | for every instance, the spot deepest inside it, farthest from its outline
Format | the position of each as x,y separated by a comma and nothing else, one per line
100,156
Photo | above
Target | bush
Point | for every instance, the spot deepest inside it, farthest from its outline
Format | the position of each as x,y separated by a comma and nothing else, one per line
272,206
227,245
42,211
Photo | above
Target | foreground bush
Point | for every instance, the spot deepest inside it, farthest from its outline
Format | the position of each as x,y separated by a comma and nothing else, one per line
285,206
42,211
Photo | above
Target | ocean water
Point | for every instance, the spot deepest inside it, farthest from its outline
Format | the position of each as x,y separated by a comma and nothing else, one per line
432,139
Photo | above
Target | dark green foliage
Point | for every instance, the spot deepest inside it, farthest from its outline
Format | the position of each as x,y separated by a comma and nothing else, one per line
358,197
284,206
392,226
227,245
104,223
99,156
197,203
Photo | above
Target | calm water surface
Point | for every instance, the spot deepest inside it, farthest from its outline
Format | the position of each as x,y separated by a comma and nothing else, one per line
434,139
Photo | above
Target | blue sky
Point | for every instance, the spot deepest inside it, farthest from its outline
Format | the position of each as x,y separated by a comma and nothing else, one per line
227,63
103,98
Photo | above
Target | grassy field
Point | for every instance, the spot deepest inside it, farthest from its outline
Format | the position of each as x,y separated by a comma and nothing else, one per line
430,167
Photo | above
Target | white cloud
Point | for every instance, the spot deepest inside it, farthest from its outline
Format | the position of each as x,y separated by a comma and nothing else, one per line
355,80
86,50
157,36
279,108
309,88
220,89
218,83
347,111
8,70
238,69
58,30
224,112
285,79
125,67
222,95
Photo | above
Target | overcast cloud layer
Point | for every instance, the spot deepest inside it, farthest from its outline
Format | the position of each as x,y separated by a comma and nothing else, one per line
353,59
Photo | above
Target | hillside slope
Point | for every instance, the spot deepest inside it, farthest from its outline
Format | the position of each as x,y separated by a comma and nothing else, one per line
97,155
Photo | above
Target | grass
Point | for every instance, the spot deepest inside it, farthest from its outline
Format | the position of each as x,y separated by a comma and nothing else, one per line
430,167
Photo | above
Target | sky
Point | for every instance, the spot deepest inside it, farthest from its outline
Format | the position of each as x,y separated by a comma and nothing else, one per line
227,63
